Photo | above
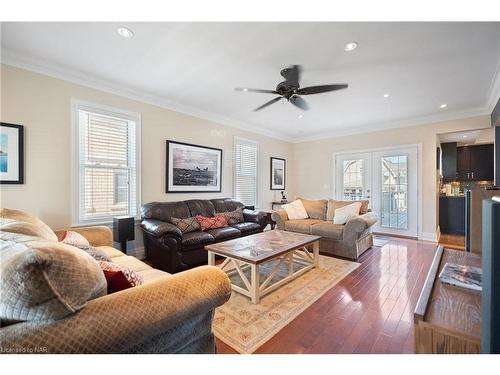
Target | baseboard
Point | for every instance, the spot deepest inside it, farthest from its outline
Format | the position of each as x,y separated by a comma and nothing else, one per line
431,237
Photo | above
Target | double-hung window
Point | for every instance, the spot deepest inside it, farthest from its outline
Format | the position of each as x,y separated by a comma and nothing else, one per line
245,170
107,163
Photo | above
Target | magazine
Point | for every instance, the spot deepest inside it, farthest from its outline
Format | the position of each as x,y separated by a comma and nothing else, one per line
463,276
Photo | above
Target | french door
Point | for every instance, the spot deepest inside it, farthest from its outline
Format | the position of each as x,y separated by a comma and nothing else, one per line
388,179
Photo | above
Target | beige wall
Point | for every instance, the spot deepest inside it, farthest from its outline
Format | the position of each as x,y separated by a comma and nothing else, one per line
313,161
43,105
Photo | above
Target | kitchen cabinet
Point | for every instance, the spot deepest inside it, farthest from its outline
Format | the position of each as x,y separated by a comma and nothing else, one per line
475,163
452,215
467,163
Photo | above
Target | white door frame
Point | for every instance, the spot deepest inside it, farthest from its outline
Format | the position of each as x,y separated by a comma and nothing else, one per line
419,147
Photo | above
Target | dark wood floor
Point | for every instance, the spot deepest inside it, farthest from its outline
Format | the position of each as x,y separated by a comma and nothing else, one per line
370,311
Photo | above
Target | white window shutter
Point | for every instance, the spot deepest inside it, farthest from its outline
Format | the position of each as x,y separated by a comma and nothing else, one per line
107,185
245,171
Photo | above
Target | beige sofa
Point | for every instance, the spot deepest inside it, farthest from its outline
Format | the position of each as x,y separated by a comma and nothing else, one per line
167,314
349,240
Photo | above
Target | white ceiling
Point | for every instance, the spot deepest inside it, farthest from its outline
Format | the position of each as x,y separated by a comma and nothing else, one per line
193,67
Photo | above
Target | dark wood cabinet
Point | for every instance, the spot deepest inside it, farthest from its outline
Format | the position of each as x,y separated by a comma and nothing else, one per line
449,161
475,163
467,163
452,215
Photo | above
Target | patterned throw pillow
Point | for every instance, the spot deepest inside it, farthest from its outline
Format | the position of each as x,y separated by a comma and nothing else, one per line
74,239
206,223
187,225
233,217
95,253
119,278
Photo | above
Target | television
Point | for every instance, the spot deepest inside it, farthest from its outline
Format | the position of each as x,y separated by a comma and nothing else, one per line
490,297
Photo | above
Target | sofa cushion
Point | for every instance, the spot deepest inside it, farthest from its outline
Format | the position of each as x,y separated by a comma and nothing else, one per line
119,278
110,251
131,263
247,227
46,280
225,233
207,223
152,274
186,225
328,230
343,214
301,226
196,240
295,210
233,217
316,209
201,207
94,252
15,221
164,211
334,204
226,205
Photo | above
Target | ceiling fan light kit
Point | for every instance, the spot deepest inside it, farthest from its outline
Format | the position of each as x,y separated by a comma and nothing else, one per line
290,89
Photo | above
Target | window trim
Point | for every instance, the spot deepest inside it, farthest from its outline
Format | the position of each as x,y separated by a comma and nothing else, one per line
77,171
257,163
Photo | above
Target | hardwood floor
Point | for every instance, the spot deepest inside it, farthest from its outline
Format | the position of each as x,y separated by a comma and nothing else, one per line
370,311
452,241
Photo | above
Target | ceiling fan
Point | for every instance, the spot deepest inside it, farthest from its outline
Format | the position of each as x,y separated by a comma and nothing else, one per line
290,89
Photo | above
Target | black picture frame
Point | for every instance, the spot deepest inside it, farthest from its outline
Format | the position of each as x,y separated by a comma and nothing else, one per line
272,185
169,183
20,154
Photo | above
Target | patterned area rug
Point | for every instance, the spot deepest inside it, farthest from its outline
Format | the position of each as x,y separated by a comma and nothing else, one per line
245,326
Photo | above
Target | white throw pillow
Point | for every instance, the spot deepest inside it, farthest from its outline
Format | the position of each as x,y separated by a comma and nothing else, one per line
342,215
295,210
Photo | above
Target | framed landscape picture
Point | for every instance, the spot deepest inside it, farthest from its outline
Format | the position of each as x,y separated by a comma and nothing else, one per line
278,173
193,168
11,153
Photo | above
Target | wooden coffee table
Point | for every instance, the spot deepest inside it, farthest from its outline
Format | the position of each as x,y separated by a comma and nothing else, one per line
287,248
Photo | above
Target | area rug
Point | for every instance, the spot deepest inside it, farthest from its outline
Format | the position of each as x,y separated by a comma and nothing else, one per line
245,326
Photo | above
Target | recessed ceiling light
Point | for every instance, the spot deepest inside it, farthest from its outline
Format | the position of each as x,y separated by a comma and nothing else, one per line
124,32
351,46
464,136
386,95
443,106
245,89
301,115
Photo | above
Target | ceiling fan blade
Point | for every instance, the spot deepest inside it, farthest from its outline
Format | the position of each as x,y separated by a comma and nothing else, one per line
320,89
256,90
299,102
268,103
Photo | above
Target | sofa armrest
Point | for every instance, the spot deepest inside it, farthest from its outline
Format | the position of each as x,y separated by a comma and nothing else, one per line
96,235
358,224
160,228
280,217
254,216
122,320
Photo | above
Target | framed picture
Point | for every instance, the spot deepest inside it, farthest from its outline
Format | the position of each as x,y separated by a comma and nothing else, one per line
11,153
278,173
193,168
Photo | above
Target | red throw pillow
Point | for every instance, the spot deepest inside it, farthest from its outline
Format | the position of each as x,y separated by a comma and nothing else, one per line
206,223
119,278
74,239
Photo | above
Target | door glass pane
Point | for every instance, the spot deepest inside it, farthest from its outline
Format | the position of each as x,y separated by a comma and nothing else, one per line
394,200
352,179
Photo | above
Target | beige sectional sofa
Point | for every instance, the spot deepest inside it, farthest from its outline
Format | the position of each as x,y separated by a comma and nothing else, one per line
167,314
349,240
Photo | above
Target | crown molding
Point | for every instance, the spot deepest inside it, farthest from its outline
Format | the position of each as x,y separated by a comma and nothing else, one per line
9,57
494,90
424,120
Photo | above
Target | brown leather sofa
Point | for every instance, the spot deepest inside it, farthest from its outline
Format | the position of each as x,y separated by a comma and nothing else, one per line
167,248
